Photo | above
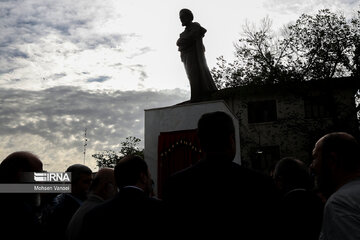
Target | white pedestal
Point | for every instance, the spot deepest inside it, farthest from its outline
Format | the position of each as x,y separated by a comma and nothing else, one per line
176,118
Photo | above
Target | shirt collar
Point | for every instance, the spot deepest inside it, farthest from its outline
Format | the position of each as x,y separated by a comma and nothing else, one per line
135,187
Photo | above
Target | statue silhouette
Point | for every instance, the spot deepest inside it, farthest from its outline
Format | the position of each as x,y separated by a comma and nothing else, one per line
192,50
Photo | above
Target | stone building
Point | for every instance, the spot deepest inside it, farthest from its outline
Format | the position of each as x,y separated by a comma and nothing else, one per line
286,119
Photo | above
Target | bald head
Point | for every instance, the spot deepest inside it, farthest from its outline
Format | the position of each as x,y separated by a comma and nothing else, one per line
335,161
104,184
344,147
18,162
292,173
105,175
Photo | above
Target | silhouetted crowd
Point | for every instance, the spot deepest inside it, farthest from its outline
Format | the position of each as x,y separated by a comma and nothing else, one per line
214,198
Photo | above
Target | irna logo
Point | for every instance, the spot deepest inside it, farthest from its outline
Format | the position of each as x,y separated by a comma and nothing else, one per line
52,177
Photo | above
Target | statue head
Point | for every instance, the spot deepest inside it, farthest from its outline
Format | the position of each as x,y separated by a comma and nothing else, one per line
186,16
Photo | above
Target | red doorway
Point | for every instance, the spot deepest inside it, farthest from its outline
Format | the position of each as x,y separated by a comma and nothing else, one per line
176,150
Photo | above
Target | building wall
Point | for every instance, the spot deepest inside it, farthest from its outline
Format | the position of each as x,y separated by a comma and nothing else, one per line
293,133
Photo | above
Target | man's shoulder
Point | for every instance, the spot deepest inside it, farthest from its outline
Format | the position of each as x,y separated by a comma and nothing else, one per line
250,174
185,173
345,196
64,201
102,210
181,180
232,168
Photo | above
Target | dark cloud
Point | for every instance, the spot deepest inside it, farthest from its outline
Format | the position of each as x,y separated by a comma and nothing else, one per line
59,116
13,53
99,79
57,75
6,69
9,59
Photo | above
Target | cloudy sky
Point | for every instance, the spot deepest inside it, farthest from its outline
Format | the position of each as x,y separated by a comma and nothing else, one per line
69,65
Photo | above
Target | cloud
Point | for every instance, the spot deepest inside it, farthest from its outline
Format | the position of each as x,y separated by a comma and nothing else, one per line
51,122
140,51
139,68
299,7
48,43
58,75
28,21
99,79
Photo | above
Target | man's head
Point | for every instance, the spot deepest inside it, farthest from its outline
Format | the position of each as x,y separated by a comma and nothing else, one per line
217,135
132,170
12,170
291,173
81,177
17,163
104,184
186,16
336,160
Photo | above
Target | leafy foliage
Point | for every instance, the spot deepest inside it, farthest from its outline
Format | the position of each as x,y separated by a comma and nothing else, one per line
109,158
315,47
323,46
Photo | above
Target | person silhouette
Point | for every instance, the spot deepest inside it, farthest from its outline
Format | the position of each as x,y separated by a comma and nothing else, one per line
300,208
132,210
102,188
216,195
19,211
58,215
191,47
336,165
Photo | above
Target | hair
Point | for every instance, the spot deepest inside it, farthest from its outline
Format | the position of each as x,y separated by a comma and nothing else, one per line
187,12
346,148
213,129
293,173
128,170
76,171
21,161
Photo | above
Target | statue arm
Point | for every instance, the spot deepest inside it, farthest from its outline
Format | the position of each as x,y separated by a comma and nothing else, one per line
190,35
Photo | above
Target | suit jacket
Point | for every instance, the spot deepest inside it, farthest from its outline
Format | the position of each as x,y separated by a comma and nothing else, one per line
18,218
129,213
215,197
75,225
58,215
301,215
